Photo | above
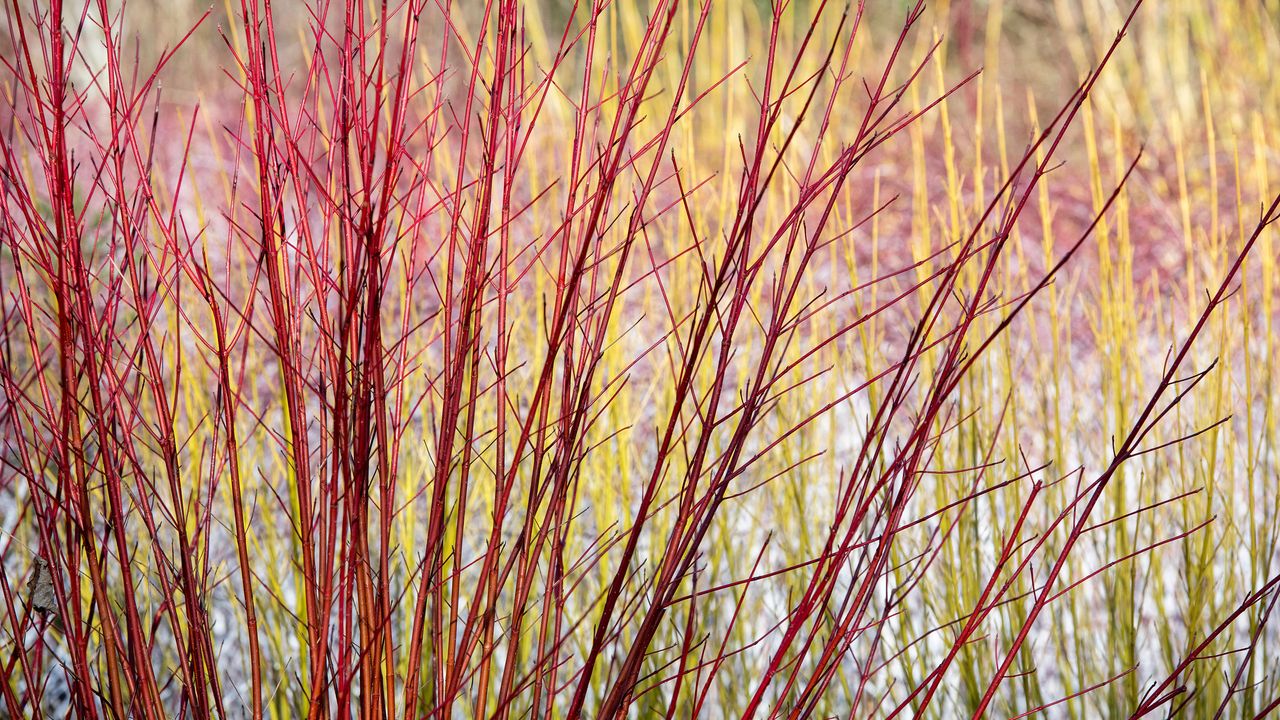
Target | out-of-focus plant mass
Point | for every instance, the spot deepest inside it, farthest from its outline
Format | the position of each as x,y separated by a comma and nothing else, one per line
669,358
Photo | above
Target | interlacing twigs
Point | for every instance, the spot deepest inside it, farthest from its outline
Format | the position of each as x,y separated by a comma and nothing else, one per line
678,358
